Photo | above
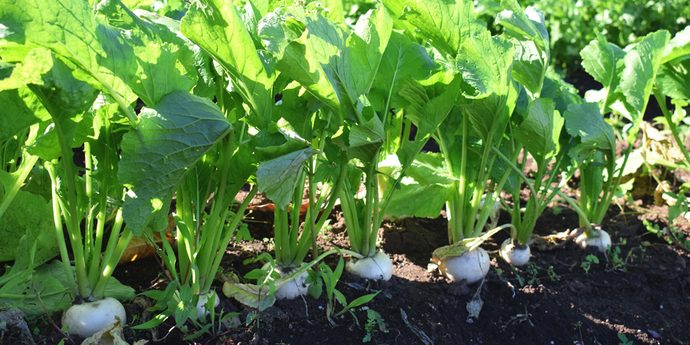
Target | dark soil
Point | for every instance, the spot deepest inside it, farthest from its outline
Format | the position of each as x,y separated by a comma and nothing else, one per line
642,290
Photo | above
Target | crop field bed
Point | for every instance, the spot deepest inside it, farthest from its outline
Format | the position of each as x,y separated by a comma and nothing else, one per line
645,297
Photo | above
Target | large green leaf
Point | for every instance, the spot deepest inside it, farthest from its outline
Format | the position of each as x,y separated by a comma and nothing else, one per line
32,217
367,46
402,58
529,24
21,109
277,177
444,23
327,44
429,102
586,122
486,64
529,65
641,65
673,79
299,63
62,95
366,139
532,43
599,60
540,130
71,30
218,29
170,137
425,189
678,46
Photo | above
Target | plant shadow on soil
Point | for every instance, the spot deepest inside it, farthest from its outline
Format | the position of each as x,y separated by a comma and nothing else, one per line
644,295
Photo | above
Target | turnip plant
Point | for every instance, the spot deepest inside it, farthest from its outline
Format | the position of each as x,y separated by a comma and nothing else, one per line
357,74
468,172
629,76
87,66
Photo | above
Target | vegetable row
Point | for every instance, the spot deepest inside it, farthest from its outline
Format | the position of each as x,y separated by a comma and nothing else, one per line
290,100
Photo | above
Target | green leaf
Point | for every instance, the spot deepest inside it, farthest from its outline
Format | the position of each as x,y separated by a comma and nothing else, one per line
486,64
277,177
532,43
367,46
402,58
641,65
170,137
299,63
65,98
275,141
599,60
50,281
445,24
218,29
540,130
418,200
327,44
586,122
529,65
678,46
529,24
366,139
21,109
429,103
362,300
673,79
117,290
423,191
71,30
252,296
28,219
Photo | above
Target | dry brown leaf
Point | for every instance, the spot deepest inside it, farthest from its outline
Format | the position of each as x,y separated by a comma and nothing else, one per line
139,247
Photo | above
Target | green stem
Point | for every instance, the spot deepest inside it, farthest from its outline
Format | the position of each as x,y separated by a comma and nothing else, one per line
216,225
59,233
115,248
661,99
588,226
312,210
282,237
223,244
520,232
73,227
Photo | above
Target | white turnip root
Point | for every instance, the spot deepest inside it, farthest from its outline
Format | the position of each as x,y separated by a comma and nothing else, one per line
513,254
201,305
472,266
602,241
85,319
377,267
293,288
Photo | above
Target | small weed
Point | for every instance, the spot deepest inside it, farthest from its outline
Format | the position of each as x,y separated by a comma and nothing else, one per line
374,324
624,340
552,275
615,259
587,264
532,274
